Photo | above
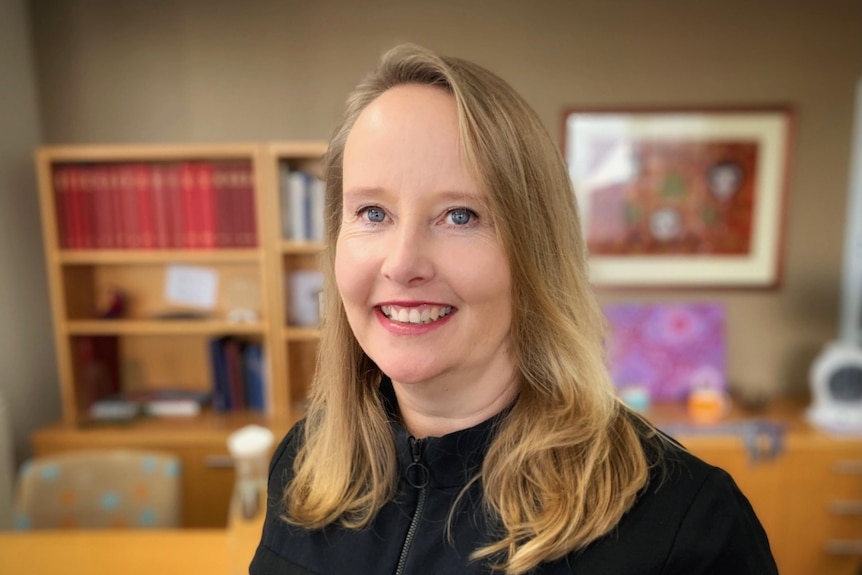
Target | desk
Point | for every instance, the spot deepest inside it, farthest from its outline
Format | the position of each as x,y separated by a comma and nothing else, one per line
139,552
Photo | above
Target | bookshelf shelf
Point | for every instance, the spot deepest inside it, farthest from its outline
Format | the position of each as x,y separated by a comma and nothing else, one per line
162,327
301,334
310,248
215,256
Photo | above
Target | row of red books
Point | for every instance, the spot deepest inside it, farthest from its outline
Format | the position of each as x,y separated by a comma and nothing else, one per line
193,204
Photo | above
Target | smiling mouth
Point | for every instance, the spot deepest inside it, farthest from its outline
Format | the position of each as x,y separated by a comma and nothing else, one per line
416,315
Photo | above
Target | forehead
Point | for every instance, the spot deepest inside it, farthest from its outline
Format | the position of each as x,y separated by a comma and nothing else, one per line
409,135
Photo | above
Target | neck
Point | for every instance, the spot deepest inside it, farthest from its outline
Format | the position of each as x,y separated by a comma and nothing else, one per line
435,408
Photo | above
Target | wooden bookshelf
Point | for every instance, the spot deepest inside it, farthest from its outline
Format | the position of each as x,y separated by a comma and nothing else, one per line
298,345
162,345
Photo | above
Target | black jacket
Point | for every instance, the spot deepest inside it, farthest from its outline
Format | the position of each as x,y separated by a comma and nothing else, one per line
691,519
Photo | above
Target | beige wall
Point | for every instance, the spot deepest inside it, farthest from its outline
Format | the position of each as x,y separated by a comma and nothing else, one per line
28,378
216,70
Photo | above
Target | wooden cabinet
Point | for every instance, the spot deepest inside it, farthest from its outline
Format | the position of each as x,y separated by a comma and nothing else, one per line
122,220
823,519
808,496
207,470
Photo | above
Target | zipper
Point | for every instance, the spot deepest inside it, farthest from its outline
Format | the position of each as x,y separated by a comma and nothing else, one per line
417,476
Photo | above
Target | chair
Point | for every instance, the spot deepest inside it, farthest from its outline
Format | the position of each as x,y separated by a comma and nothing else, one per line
99,489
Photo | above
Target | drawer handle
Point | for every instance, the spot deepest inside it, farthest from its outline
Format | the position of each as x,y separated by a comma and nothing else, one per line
218,461
846,507
849,467
844,547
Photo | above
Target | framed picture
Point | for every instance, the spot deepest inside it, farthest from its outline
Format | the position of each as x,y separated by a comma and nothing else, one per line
681,198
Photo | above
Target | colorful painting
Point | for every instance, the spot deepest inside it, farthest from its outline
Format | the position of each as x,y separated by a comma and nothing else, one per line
678,198
669,349
681,198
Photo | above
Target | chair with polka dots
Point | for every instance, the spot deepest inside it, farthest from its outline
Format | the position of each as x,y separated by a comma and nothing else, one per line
99,489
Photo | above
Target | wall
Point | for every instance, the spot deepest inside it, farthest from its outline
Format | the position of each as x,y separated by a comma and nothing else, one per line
216,70
28,377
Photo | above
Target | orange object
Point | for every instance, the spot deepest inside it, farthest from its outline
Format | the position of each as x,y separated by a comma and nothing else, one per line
708,405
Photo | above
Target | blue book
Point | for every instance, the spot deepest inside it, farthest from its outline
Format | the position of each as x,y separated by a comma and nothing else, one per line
221,382
254,377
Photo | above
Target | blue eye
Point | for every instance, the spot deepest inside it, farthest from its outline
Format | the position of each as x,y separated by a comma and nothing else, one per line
460,216
373,214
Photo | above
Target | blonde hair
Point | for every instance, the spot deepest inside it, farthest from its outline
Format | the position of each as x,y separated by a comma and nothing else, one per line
567,461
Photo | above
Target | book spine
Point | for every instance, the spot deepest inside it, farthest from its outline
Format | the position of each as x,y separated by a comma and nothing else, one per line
144,198
317,199
254,377
62,205
189,211
161,213
174,201
76,209
249,204
221,193
97,368
236,204
104,236
297,197
284,200
131,230
236,378
115,194
220,385
206,223
88,207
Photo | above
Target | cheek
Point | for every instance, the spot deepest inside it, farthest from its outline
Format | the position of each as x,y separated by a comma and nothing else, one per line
351,274
487,280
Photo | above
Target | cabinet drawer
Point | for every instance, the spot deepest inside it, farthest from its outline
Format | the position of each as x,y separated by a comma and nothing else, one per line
207,486
839,526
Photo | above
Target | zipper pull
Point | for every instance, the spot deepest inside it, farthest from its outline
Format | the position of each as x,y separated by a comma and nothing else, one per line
417,474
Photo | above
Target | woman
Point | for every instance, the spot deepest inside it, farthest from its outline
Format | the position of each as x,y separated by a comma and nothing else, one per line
462,419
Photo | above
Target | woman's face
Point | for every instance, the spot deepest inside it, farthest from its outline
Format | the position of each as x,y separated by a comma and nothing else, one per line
424,280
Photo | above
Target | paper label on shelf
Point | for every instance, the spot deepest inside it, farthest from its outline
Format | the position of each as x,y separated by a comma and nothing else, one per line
191,285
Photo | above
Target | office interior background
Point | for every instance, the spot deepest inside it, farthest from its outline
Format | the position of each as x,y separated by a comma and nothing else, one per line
165,71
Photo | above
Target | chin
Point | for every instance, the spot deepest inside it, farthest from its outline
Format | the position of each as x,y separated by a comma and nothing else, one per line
407,374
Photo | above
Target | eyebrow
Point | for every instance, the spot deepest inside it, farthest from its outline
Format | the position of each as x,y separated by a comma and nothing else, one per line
360,192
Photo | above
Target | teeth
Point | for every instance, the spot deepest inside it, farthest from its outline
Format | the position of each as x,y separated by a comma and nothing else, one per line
415,315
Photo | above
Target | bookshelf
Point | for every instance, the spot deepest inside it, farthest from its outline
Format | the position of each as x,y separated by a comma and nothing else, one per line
113,223
298,344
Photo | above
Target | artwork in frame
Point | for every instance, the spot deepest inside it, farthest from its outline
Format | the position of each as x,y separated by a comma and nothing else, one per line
681,198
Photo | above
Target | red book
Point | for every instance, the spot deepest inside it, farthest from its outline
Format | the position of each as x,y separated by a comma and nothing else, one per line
161,213
130,225
97,368
116,205
104,232
188,191
76,205
251,202
174,208
206,220
144,204
233,181
88,207
247,222
221,187
62,205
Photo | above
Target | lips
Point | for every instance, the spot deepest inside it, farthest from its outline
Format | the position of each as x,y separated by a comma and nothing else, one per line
418,315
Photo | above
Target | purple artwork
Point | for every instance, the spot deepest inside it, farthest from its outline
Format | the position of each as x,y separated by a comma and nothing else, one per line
669,349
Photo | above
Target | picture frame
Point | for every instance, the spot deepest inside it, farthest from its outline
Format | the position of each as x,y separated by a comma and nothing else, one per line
681,197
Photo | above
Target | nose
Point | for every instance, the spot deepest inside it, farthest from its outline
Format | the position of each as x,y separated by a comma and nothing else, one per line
409,257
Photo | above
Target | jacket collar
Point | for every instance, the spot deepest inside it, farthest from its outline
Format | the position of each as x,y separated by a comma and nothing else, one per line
453,459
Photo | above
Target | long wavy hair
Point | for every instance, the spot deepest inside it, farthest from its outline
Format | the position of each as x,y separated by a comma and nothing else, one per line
567,460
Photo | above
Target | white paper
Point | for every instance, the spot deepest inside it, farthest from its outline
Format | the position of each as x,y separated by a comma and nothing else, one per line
192,286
